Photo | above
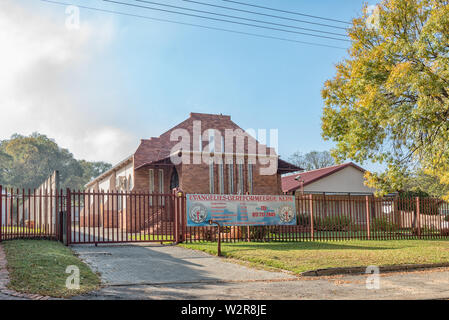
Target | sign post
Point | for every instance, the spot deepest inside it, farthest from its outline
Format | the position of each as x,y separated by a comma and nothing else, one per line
219,236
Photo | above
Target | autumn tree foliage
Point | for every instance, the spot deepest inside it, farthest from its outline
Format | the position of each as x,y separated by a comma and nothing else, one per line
389,101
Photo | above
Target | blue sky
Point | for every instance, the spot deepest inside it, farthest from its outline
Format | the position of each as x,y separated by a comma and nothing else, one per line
150,75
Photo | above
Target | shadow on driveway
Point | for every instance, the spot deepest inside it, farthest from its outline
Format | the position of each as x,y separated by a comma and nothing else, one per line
124,265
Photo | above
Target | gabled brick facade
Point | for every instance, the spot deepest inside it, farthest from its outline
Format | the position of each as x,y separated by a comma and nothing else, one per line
195,178
152,157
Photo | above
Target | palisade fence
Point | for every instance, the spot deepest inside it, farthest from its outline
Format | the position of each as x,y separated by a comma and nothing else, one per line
81,217
31,214
337,218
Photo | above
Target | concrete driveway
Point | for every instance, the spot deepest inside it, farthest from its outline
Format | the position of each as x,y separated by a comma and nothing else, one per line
170,272
123,265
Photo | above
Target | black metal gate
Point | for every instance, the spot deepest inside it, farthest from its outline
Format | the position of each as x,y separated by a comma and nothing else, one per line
118,217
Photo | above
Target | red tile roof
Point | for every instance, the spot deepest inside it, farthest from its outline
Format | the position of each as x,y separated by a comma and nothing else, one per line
290,183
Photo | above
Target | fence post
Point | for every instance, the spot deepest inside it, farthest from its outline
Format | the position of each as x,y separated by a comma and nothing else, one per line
61,227
177,215
183,199
176,229
68,215
368,224
1,213
418,217
311,216
325,204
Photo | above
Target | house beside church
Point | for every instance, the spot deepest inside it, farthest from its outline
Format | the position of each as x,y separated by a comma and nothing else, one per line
341,179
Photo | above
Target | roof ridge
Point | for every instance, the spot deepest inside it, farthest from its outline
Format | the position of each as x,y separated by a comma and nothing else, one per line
199,114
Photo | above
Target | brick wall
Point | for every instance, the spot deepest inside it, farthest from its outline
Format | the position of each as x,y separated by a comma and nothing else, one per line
194,178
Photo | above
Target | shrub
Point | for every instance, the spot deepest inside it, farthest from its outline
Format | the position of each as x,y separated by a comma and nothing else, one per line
206,234
357,227
339,223
255,233
426,230
427,205
304,219
383,224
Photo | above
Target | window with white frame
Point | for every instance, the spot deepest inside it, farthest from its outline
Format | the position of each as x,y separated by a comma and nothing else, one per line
231,178
221,178
211,177
241,183
250,178
161,185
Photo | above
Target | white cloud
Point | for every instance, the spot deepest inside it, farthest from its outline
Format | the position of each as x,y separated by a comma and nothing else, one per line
47,84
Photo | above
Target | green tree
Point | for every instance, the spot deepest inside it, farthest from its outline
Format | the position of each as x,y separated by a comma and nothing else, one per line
423,184
26,162
389,101
312,160
93,169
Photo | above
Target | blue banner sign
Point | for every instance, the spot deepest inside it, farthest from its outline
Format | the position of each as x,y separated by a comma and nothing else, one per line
240,210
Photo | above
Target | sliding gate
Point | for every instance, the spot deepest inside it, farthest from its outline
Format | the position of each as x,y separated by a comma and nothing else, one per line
119,217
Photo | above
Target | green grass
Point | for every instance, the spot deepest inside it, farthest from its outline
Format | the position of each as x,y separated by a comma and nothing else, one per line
151,237
38,267
25,230
299,257
352,234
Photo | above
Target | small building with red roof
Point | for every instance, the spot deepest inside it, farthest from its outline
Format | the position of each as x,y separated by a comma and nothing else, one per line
346,178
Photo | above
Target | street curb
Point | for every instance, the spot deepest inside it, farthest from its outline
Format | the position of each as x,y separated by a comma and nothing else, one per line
4,280
362,270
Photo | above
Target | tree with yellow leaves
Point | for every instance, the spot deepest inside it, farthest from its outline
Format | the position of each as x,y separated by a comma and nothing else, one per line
389,101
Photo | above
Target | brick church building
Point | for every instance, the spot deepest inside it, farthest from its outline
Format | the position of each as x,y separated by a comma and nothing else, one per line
151,169
170,162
